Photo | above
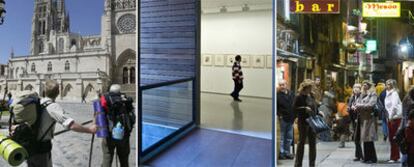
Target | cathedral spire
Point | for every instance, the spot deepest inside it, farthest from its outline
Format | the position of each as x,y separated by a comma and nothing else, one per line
61,7
12,52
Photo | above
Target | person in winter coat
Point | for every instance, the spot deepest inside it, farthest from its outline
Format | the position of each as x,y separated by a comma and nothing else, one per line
409,135
393,107
368,122
407,106
355,123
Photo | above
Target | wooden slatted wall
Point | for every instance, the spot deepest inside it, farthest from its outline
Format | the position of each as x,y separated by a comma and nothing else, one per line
167,40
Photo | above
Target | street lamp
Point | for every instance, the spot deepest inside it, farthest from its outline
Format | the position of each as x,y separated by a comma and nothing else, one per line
2,11
406,47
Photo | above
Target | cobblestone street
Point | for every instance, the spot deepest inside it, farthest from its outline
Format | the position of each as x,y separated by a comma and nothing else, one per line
72,149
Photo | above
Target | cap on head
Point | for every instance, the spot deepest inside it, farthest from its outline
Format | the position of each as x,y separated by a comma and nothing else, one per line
115,88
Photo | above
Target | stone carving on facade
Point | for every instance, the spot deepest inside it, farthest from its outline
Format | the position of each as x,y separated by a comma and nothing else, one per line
126,23
122,4
91,42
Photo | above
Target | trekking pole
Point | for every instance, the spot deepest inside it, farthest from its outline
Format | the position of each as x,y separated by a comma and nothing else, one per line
90,152
92,140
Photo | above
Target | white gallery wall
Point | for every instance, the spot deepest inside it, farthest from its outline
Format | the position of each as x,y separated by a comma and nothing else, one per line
245,33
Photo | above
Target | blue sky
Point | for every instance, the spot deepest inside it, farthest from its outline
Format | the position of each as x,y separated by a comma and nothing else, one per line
85,18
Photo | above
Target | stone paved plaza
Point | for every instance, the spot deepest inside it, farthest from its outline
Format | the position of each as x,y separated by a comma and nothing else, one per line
329,155
72,149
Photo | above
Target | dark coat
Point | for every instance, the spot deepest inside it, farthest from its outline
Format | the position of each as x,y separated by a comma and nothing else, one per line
352,101
302,101
407,106
284,106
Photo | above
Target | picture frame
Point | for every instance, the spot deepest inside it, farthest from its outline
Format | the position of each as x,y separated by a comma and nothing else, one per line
219,60
245,62
269,61
207,60
258,61
230,60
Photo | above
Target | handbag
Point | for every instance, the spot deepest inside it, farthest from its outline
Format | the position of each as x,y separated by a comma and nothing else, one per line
317,124
400,139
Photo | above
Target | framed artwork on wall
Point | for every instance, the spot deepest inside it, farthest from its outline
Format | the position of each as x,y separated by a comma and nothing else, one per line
245,62
219,60
207,60
230,60
269,61
258,61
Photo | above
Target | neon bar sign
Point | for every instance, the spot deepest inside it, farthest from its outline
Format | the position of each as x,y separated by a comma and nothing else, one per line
315,6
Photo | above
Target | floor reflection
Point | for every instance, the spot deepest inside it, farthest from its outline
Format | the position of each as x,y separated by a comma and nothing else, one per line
238,116
252,117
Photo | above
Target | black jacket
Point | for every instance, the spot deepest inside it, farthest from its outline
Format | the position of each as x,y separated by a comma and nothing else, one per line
284,106
302,101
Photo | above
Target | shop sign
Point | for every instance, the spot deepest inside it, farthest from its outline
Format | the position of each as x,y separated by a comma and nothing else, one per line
371,46
314,6
381,9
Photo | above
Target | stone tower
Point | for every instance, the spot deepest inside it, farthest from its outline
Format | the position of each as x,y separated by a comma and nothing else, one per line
119,24
49,16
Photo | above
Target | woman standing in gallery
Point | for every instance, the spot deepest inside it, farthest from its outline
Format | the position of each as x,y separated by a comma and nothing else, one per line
305,105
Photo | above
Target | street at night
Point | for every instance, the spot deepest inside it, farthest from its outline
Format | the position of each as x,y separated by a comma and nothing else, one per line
344,80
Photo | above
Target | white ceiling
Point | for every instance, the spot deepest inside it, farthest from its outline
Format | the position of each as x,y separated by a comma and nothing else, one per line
208,4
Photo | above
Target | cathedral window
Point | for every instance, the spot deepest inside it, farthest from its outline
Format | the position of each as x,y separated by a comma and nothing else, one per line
49,66
44,27
17,72
125,75
41,47
67,65
58,25
61,45
33,68
73,42
44,11
39,27
132,75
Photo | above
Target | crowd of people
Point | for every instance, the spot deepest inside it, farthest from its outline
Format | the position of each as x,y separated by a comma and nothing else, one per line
357,119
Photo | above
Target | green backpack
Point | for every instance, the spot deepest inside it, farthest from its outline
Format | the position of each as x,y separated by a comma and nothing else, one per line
24,107
25,114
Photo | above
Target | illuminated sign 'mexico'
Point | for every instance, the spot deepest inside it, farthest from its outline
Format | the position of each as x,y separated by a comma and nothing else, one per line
381,9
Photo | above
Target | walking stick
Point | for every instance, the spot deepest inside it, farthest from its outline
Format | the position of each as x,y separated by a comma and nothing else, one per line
92,140
90,152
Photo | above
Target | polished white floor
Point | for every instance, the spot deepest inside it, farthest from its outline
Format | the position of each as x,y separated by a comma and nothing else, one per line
252,117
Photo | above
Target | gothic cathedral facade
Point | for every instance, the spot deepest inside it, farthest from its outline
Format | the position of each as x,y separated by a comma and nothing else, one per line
83,65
